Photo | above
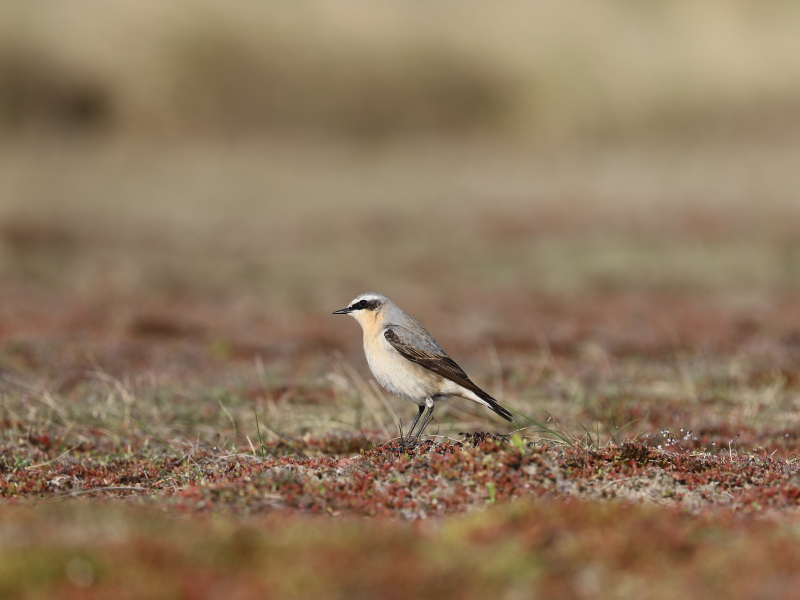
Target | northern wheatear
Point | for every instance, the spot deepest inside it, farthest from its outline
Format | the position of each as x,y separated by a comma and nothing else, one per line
408,362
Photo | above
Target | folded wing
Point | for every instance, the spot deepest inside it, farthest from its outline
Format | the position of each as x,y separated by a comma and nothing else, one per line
427,353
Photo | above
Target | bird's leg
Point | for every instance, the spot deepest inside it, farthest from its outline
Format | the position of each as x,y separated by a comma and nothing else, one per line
427,418
414,424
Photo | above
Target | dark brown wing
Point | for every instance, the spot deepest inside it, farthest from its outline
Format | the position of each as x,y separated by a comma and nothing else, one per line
438,363
442,365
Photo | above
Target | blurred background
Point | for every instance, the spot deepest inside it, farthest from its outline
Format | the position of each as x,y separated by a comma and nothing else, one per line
232,173
593,205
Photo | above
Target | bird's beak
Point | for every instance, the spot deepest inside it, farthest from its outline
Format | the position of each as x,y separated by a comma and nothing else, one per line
343,311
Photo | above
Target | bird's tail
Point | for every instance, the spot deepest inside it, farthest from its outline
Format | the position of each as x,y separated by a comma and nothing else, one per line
493,404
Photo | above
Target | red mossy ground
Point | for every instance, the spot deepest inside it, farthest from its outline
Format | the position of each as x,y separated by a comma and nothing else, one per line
429,480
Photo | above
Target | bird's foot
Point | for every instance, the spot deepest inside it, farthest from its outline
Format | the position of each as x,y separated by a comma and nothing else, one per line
409,443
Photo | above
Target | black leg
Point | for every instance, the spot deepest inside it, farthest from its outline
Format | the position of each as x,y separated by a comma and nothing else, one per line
424,423
414,424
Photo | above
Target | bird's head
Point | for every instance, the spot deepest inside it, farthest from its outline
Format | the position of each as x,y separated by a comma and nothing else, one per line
364,308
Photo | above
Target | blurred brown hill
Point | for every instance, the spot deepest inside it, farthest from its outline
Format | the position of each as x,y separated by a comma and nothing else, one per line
524,70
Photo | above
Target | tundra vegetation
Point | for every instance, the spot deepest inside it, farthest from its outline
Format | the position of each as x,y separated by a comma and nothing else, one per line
592,208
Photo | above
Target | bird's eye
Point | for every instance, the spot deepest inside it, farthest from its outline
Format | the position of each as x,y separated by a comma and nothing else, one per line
362,304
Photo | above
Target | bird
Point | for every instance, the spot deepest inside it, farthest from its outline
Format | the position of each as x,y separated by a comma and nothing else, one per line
409,363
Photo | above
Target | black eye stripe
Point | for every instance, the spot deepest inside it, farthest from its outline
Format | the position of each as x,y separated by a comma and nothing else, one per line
366,305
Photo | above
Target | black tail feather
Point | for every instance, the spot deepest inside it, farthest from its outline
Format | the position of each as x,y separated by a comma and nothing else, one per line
495,406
